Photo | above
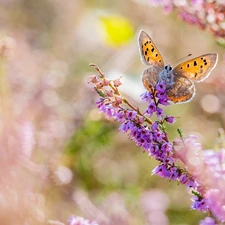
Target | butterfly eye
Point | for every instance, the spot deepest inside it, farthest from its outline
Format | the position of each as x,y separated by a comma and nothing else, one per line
170,68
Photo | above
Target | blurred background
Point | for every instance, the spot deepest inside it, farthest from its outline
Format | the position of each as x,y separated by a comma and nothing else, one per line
59,156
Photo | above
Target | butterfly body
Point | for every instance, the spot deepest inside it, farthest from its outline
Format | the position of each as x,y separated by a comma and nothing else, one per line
167,76
179,85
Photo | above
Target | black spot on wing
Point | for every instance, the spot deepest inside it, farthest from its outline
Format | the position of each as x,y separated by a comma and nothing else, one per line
195,63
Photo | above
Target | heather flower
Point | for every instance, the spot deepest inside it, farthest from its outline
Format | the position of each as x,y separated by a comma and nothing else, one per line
208,221
161,95
161,170
130,115
199,204
147,96
183,178
174,173
166,147
125,126
191,184
215,199
109,93
93,79
158,136
77,220
161,87
164,101
119,116
151,109
117,82
160,113
170,119
207,15
155,126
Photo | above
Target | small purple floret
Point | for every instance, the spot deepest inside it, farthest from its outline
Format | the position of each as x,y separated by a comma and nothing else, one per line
170,119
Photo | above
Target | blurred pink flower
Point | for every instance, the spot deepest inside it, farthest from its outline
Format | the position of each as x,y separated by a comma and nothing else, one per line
207,168
207,15
76,220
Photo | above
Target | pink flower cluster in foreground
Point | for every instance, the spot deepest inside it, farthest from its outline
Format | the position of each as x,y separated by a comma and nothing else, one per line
183,160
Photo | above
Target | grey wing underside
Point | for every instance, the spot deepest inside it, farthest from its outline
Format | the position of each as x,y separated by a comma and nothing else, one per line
150,77
182,91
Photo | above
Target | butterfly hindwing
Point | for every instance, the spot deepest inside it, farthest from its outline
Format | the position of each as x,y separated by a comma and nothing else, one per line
150,77
149,53
182,91
197,69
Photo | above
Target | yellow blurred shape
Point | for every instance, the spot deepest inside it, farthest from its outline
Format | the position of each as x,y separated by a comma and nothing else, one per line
117,30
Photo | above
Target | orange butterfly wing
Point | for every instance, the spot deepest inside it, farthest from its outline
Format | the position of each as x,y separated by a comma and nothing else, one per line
182,91
150,55
197,69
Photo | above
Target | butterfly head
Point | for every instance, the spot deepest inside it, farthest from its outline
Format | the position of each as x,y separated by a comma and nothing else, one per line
168,68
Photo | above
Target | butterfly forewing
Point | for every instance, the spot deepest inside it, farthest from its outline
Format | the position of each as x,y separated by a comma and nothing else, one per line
149,53
182,91
197,69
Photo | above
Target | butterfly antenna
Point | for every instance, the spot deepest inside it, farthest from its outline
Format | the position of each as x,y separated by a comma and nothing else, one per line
182,58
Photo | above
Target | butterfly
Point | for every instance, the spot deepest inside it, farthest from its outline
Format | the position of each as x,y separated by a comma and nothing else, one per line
179,81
